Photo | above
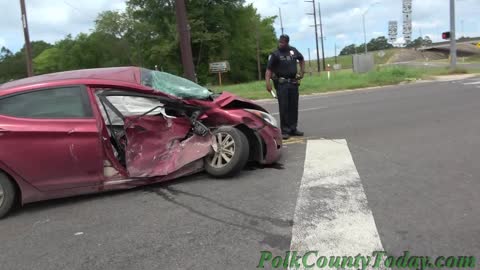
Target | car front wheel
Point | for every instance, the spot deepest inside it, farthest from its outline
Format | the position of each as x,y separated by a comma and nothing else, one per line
7,195
230,152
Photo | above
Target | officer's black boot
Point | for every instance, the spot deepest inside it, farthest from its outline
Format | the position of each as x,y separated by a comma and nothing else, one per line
296,133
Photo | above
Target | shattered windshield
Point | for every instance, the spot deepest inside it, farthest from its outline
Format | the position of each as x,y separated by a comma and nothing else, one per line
173,85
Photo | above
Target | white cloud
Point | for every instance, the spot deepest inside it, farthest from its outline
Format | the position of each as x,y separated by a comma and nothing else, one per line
344,17
51,20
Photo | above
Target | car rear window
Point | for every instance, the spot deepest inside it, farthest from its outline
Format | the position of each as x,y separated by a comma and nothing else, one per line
64,102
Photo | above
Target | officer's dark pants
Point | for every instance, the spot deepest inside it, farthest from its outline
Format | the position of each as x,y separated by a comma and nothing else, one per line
288,106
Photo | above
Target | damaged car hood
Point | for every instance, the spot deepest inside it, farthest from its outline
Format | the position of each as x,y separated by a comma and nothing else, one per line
230,101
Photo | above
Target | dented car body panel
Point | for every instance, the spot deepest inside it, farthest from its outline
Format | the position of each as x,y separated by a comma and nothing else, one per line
53,157
157,146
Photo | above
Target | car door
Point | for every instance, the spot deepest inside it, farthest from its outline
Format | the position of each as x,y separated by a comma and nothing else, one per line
157,132
50,138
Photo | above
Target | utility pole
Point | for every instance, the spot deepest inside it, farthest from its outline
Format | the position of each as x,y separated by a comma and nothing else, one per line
281,21
453,43
364,33
309,63
316,32
259,68
309,58
336,53
321,34
463,29
183,29
28,46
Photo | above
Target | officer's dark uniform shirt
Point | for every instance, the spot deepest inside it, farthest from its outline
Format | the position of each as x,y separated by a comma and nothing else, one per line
284,63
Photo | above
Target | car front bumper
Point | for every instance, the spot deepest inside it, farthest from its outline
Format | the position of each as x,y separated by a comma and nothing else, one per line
272,144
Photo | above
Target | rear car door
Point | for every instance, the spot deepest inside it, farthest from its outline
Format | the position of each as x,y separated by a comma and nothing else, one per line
50,138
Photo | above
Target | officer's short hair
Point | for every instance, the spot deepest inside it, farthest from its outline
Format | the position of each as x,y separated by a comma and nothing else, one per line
285,37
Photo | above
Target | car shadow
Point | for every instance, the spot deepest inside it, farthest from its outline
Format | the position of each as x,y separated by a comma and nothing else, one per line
63,202
173,195
253,166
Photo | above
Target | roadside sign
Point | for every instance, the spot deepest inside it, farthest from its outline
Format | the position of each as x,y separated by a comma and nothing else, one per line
478,45
219,67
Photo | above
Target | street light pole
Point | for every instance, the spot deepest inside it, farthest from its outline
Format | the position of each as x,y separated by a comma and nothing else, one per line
281,21
453,43
364,28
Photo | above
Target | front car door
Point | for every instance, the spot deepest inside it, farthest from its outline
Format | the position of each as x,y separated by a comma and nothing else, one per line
50,138
154,135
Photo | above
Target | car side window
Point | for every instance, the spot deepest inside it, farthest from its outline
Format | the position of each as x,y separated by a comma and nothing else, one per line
54,103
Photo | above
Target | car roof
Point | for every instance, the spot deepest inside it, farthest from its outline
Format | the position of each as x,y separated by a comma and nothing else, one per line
124,74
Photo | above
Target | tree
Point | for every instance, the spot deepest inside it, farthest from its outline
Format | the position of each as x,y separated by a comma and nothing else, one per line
5,54
13,66
350,49
419,42
145,34
380,43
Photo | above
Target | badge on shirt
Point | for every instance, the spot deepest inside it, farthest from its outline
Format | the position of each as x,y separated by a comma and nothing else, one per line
292,53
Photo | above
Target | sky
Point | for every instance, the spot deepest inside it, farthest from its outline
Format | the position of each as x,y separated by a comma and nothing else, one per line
52,20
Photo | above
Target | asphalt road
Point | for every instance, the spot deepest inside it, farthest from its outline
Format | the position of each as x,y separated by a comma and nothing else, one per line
415,148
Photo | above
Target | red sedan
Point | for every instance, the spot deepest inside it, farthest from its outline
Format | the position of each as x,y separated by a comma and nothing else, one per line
95,130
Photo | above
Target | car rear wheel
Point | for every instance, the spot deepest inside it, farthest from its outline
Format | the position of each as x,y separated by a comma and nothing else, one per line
231,151
7,195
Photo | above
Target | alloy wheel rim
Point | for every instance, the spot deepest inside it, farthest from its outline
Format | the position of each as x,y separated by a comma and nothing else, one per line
224,150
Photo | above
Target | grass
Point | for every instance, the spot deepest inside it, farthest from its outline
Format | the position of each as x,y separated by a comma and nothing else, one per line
343,80
475,58
346,60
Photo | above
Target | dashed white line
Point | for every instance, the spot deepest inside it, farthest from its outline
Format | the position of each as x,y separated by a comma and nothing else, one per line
332,214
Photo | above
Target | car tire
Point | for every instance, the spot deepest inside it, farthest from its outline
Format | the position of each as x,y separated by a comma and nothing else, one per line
7,195
234,153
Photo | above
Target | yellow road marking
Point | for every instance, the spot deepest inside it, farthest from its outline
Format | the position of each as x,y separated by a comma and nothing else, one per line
297,140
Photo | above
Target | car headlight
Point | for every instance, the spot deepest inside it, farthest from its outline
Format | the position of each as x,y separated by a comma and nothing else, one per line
265,116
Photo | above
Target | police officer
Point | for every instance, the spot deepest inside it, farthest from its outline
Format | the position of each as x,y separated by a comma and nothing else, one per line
282,64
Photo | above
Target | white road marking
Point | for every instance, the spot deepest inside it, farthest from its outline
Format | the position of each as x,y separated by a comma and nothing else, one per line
332,214
306,110
472,83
